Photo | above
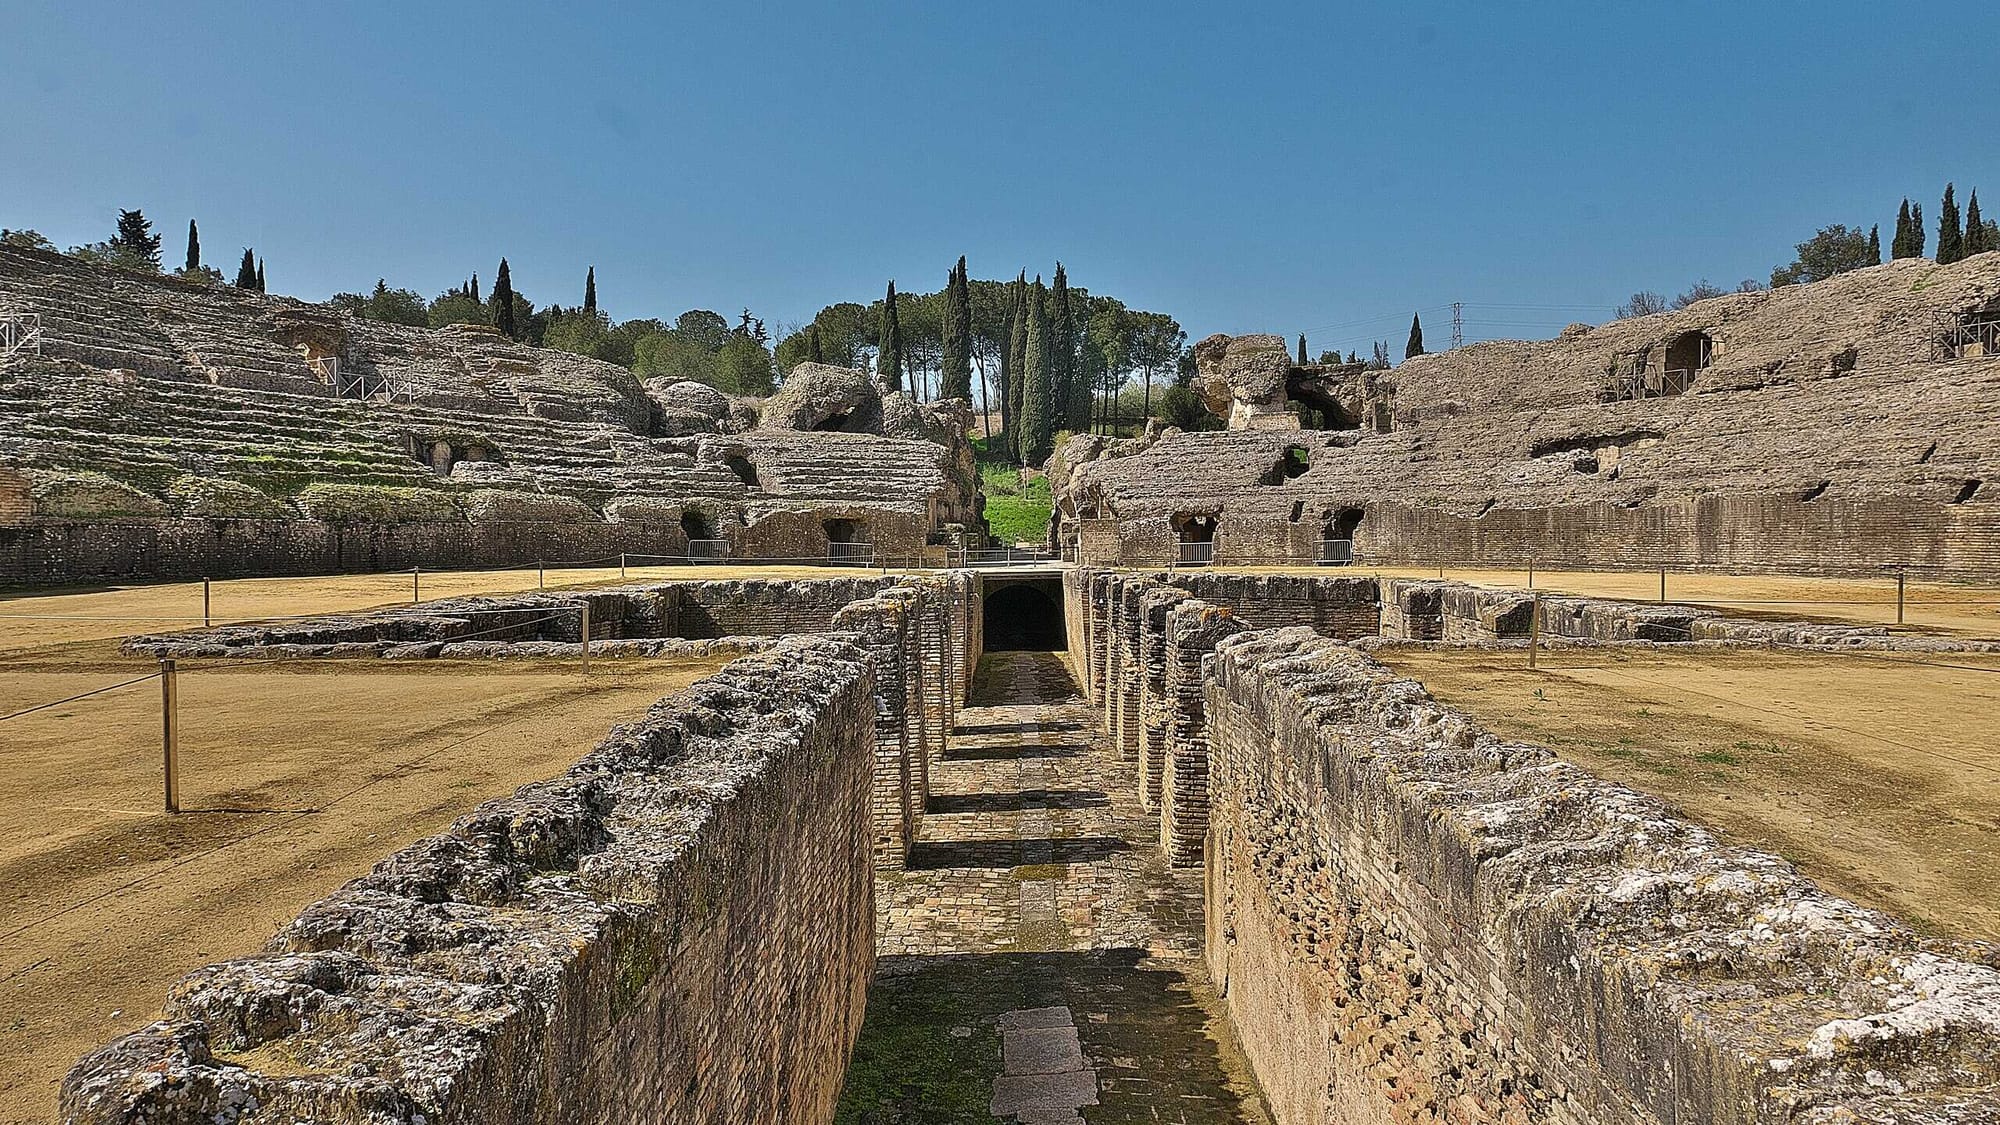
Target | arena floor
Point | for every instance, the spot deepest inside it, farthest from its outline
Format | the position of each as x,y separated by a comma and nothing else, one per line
33,618
1878,775
296,777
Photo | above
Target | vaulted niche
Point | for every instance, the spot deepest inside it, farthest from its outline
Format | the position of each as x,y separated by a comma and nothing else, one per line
1687,354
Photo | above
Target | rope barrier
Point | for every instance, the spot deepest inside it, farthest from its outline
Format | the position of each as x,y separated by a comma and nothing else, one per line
81,695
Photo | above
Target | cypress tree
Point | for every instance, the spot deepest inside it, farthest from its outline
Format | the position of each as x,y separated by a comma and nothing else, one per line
1302,349
1416,345
1916,230
1975,227
1006,383
1068,400
503,301
955,370
814,352
1875,245
135,236
194,249
1017,347
246,274
260,275
1951,243
1899,246
590,291
1036,400
889,353
475,290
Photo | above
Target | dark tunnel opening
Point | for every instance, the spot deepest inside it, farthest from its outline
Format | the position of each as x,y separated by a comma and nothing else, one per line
1025,617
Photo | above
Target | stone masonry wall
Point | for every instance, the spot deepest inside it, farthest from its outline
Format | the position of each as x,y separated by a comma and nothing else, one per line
1412,921
46,551
617,944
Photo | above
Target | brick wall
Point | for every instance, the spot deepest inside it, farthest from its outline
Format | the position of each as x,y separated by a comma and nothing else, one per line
1414,922
614,945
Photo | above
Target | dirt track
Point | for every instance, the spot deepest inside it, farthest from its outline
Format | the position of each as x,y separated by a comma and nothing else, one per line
31,619
1931,607
1878,777
299,776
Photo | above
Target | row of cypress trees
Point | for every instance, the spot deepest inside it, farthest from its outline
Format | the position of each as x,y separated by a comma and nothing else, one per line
1955,241
1040,390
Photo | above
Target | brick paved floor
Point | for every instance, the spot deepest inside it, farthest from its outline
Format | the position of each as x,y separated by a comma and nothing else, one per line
1036,901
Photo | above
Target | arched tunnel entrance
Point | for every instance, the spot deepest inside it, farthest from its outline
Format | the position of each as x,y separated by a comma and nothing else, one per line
1024,615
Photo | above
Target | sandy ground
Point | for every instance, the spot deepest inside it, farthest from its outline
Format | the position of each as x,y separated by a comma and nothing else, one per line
33,618
298,776
1878,776
1929,607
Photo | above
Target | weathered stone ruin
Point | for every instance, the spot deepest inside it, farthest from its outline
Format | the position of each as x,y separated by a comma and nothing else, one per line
171,429
1407,919
1840,426
1411,920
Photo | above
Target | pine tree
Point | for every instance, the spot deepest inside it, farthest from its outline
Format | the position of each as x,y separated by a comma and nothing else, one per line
1875,245
503,300
1916,230
889,352
246,274
1302,349
1951,243
194,249
955,369
260,275
1068,402
1975,227
135,237
1017,348
1036,399
590,291
1416,345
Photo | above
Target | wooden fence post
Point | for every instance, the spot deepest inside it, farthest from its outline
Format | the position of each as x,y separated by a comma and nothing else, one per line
1534,628
586,637
205,620
170,735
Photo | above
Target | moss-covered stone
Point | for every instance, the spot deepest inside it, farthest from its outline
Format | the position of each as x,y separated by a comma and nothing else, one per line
370,503
500,505
212,497
89,495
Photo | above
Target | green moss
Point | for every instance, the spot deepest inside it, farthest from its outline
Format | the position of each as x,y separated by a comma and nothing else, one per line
370,503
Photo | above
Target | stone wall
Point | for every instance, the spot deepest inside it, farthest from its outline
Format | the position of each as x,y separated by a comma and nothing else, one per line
613,945
55,551
1834,431
1412,922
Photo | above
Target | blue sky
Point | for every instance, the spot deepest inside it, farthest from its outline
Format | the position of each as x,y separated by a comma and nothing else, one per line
1275,167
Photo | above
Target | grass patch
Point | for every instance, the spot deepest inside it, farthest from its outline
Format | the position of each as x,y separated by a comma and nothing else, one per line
1017,512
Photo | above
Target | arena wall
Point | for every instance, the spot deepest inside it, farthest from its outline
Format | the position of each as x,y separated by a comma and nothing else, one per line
1412,921
616,944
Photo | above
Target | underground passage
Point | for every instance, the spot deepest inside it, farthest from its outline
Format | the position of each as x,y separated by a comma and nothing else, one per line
1025,616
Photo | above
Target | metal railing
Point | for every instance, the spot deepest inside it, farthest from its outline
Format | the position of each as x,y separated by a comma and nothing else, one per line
1007,556
1650,384
1336,552
1979,339
851,554
1197,554
707,550
20,332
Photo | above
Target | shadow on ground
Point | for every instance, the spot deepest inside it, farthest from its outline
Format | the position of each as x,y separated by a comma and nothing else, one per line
931,1045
